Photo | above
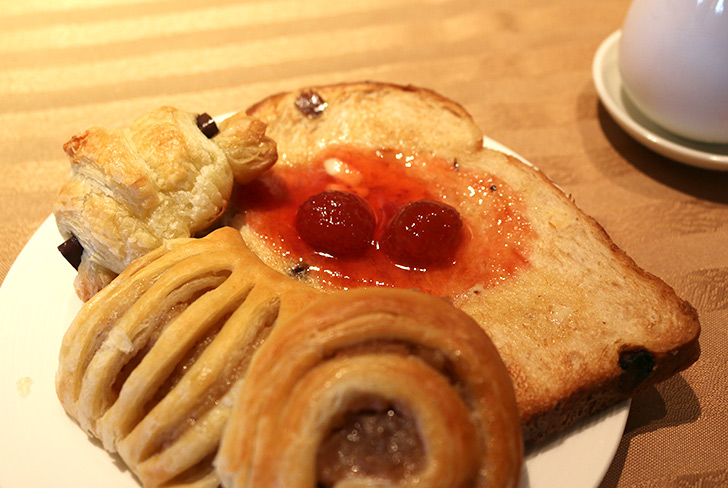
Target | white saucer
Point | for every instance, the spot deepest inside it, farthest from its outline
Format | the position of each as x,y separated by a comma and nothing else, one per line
609,87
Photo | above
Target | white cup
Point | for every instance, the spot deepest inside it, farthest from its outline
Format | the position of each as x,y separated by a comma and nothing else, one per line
673,60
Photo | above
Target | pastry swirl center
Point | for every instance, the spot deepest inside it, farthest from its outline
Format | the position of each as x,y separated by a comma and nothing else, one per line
377,440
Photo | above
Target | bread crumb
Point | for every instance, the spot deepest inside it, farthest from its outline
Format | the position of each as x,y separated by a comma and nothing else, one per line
476,289
23,385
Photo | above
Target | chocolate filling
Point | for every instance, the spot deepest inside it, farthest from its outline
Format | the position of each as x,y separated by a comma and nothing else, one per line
72,250
310,104
207,125
379,441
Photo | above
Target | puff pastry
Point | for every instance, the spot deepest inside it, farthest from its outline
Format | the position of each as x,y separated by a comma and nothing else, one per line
160,178
151,364
446,408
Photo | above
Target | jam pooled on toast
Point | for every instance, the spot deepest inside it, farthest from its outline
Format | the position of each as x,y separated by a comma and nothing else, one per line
437,228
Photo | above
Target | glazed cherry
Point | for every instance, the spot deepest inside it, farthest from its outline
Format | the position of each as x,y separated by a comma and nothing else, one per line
423,233
336,222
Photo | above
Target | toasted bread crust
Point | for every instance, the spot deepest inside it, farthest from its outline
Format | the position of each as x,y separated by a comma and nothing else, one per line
583,326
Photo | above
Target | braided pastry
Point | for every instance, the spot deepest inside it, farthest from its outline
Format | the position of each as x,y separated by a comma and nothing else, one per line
161,178
374,387
151,363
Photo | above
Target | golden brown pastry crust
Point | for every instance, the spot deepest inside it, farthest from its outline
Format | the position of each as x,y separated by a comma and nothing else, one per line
160,178
151,363
400,346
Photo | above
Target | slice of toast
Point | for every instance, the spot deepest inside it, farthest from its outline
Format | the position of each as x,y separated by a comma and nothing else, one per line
579,325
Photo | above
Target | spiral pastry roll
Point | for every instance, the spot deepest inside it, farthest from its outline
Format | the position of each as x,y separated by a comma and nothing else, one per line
168,175
151,364
374,387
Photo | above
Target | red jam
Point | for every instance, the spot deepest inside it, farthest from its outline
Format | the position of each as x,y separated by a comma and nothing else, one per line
337,223
423,234
492,244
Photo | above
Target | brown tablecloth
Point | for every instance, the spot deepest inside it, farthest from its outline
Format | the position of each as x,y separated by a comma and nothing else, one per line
521,67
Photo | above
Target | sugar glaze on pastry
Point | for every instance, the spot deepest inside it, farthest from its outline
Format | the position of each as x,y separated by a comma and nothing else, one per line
151,364
427,370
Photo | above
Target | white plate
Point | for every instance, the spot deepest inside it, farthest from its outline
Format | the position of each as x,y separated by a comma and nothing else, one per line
608,82
41,447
